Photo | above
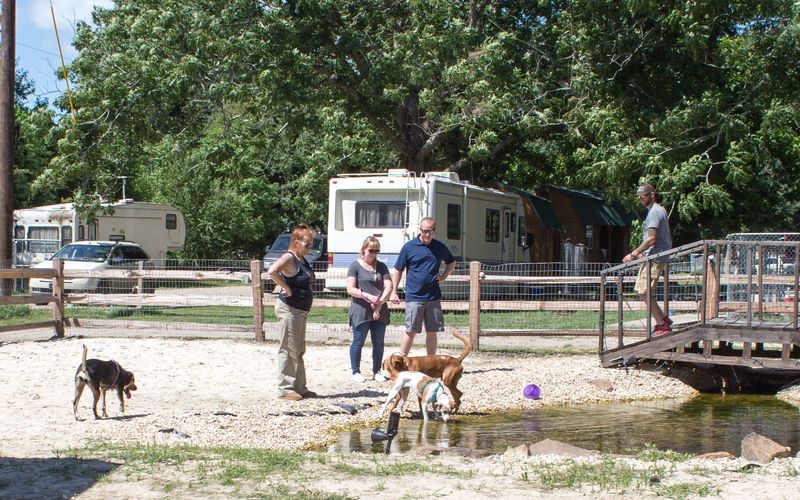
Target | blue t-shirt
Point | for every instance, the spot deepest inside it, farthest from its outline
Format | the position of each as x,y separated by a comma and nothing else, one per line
422,263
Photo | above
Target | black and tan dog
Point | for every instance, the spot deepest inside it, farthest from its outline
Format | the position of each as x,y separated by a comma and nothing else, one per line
101,376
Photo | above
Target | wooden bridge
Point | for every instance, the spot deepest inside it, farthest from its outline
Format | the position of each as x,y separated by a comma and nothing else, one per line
743,336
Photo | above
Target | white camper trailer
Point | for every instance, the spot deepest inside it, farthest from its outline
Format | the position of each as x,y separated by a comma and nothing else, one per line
475,223
40,231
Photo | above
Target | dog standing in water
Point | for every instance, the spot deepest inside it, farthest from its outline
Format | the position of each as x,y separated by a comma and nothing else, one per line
429,391
101,376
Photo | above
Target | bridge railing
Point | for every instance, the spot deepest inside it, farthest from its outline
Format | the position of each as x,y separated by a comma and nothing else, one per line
740,281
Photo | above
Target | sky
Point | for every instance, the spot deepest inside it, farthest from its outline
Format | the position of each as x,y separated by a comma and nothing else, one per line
36,47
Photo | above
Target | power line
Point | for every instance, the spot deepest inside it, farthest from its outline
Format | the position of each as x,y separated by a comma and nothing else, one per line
37,49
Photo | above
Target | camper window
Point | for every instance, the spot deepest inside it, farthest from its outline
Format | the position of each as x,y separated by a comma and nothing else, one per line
379,214
172,221
453,221
92,231
492,225
81,232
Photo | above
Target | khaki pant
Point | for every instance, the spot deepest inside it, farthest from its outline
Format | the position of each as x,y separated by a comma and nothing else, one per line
656,270
292,333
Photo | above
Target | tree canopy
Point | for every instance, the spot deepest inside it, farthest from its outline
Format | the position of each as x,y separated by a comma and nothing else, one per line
239,111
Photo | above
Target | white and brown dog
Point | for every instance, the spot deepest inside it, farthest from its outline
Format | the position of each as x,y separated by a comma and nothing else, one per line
101,376
429,391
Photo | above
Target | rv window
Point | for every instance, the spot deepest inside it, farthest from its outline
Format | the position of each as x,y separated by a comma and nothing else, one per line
379,214
81,232
492,225
43,233
521,239
513,221
590,236
506,224
66,235
92,231
172,221
19,232
453,221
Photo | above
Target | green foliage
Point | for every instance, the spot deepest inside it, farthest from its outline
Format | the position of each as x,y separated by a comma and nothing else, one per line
239,112
604,475
650,453
14,312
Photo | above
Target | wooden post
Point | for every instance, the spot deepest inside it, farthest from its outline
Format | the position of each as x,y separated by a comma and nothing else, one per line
749,286
258,300
704,286
712,291
602,326
666,289
58,293
760,278
796,285
648,300
474,304
620,291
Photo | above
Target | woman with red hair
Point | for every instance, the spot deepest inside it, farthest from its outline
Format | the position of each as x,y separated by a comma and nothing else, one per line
294,275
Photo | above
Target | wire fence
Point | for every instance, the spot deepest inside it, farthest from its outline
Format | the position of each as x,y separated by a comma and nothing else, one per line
513,299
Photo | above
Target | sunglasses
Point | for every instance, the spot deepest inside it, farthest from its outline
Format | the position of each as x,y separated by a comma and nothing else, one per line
373,250
427,231
306,245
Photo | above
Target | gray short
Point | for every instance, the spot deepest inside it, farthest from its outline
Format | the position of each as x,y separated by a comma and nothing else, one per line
431,312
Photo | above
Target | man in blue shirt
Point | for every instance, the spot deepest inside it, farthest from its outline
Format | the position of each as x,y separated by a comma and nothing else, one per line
421,259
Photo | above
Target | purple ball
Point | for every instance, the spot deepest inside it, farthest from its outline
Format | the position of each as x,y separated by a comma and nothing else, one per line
531,391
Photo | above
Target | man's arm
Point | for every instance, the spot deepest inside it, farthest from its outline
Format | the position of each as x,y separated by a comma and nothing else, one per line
448,270
395,282
648,242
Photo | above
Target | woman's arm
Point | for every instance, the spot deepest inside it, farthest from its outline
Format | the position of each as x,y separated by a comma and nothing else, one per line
284,263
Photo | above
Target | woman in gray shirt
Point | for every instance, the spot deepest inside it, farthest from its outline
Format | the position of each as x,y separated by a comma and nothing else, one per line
369,284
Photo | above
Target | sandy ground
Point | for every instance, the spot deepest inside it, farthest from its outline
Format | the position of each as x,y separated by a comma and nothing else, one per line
222,392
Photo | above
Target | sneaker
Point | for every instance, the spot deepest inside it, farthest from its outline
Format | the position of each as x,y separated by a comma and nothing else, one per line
667,321
290,396
661,330
378,377
309,395
357,377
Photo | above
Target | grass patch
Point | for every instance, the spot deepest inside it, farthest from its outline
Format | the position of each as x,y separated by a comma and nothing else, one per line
398,469
605,475
679,491
652,454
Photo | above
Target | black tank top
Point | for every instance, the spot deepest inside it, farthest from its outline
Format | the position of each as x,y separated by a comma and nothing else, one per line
300,285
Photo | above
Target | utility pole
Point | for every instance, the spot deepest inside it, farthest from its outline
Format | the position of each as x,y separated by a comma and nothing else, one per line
7,132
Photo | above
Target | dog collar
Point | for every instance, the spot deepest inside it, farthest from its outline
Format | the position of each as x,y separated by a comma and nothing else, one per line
119,369
435,391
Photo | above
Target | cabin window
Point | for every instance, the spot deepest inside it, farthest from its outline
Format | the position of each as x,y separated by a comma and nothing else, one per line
453,221
380,214
66,235
492,225
589,237
92,231
522,239
172,221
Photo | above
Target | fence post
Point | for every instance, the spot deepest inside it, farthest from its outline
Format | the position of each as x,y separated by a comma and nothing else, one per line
58,293
601,337
140,281
474,304
258,300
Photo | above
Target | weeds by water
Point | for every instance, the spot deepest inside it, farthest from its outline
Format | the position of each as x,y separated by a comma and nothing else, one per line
650,453
680,491
606,474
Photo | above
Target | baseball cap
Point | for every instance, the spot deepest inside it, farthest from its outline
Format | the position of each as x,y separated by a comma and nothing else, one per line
645,189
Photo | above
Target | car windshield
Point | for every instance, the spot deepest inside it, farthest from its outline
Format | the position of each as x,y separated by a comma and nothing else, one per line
88,253
281,243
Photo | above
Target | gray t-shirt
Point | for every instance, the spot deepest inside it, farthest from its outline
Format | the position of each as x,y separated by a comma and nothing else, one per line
372,283
657,219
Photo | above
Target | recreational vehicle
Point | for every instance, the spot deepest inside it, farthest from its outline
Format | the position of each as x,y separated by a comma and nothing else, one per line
476,223
39,232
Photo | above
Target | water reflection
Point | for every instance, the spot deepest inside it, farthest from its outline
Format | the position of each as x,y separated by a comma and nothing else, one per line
698,425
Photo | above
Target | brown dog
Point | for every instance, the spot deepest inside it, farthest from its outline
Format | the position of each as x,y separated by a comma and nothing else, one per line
447,368
101,376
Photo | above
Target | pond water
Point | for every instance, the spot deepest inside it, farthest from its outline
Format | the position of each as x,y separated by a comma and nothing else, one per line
698,425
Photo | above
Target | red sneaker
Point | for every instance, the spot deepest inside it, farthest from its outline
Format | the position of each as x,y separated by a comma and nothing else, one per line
667,321
661,330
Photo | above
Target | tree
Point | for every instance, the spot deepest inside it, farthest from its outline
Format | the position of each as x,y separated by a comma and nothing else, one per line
240,111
